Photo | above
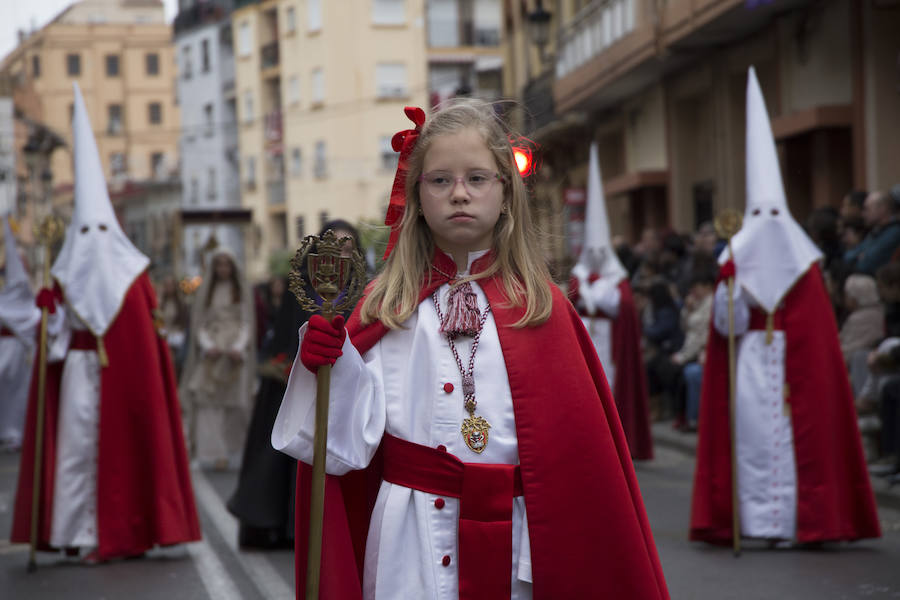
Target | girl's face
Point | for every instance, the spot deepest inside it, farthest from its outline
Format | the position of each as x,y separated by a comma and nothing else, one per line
462,218
222,267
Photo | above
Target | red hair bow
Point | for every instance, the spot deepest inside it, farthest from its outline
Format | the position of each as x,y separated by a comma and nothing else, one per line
402,142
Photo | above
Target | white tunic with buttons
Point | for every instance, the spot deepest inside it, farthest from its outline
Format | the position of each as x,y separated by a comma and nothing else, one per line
767,478
399,387
74,520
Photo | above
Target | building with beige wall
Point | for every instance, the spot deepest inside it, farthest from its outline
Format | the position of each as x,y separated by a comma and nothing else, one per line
120,54
662,87
320,91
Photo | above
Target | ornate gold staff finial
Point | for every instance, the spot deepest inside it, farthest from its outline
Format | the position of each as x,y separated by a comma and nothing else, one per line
48,232
727,224
338,278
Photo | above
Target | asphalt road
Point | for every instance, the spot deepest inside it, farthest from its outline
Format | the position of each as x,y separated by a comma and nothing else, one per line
215,568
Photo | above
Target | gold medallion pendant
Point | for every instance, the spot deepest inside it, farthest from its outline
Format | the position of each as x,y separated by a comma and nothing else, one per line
475,433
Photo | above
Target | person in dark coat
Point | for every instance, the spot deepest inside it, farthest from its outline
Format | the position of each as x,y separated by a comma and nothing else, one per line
264,499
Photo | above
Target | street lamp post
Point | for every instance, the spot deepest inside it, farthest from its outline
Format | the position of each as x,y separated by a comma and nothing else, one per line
539,28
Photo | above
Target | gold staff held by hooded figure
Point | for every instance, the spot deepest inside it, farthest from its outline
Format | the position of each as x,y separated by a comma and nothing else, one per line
48,233
728,223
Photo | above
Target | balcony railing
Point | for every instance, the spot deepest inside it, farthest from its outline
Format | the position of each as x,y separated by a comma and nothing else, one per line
268,55
538,99
596,27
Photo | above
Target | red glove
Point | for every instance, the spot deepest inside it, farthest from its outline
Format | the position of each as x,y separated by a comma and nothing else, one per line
726,272
47,298
593,277
322,343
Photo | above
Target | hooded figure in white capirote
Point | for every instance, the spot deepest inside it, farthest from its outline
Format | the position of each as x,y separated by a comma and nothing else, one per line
115,479
801,475
19,318
601,293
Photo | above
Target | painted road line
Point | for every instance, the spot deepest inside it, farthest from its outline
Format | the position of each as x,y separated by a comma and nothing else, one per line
218,583
265,577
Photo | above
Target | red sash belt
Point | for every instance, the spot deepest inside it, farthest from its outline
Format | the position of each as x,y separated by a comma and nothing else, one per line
4,332
485,495
758,320
82,339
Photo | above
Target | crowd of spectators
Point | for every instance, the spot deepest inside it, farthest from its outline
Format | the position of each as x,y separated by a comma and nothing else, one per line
674,276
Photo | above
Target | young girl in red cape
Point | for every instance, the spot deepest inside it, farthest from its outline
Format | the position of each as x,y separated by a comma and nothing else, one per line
474,448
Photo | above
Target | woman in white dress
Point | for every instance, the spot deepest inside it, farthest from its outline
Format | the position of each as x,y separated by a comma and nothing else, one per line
219,373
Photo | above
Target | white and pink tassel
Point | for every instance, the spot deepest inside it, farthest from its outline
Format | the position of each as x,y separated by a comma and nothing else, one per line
462,316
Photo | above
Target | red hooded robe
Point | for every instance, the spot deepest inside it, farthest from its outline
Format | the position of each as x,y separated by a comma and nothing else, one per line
586,520
144,494
630,387
834,495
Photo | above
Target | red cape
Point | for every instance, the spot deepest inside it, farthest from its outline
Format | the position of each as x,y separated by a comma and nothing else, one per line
630,387
834,496
586,520
144,494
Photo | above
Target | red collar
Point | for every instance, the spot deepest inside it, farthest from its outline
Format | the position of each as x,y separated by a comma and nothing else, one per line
445,266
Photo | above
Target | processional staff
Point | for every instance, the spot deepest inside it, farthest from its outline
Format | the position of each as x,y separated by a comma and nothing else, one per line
727,224
48,232
337,275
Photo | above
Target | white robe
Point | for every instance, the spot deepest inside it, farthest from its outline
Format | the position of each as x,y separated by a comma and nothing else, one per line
74,520
767,478
602,295
16,363
398,388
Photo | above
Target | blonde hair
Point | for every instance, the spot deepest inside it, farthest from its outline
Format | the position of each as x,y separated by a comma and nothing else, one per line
394,295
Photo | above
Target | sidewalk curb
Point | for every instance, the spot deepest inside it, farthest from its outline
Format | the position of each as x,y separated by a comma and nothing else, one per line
686,443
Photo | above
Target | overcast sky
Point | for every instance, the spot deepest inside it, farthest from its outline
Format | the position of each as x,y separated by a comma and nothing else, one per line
23,14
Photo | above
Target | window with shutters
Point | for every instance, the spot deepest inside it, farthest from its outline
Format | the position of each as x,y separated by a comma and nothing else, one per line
112,65
390,80
73,65
320,168
318,86
389,12
314,15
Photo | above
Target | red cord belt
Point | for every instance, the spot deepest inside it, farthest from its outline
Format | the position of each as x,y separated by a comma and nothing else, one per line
485,495
82,339
759,320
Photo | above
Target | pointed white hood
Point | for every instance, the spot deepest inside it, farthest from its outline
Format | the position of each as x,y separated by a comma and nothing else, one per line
597,254
771,251
97,263
17,310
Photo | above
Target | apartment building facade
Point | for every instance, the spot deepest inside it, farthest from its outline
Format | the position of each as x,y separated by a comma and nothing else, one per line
120,54
320,91
661,86
208,143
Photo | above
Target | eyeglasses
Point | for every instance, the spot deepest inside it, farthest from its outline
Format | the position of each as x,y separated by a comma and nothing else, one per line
439,184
